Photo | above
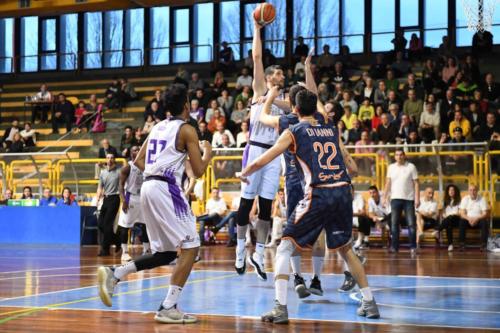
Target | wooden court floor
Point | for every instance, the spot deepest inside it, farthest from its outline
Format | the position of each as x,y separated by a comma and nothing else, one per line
27,272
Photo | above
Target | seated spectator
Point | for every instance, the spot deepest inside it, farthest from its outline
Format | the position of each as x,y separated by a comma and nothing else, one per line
300,67
405,128
326,60
426,213
431,79
93,106
344,133
323,93
107,148
17,145
347,100
139,136
217,136
63,113
182,76
27,193
491,89
346,59
379,214
450,215
112,95
365,164
217,118
148,124
195,83
339,74
197,112
471,69
44,95
8,135
386,131
465,89
48,199
202,98
413,107
481,101
379,68
376,120
450,70
455,163
80,109
476,118
230,220
226,58
203,132
127,91
430,124
369,90
474,212
245,79
391,83
412,84
366,112
400,66
219,84
393,98
215,209
338,92
348,118
226,102
461,122
394,115
243,135
245,96
28,135
279,218
156,99
211,110
488,129
127,141
225,142
66,198
355,132
381,94
239,114
359,216
268,58
6,197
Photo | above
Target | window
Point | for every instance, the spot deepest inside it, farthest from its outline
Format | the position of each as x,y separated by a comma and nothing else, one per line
68,36
328,16
383,23
159,36
113,38
277,30
303,21
464,36
203,31
248,26
29,44
408,13
92,35
182,50
353,23
229,13
435,18
48,52
134,37
6,45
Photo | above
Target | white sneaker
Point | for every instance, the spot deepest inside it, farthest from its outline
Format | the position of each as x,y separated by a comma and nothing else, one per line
258,263
106,284
173,316
450,248
126,257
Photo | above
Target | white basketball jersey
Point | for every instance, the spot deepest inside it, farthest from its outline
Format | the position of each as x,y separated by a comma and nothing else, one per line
134,181
162,157
260,132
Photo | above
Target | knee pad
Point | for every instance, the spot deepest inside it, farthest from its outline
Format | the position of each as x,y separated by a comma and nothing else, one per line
265,207
243,215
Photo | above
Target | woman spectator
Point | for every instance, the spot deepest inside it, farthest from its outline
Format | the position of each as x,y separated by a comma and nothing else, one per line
139,136
217,117
239,114
369,90
244,96
66,198
211,110
242,137
219,83
344,133
226,101
366,112
148,124
348,118
17,145
28,135
127,141
82,117
157,99
27,193
450,70
376,119
450,215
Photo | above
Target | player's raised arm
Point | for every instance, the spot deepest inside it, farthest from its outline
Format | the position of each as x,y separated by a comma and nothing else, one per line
188,139
348,160
284,141
265,116
259,80
311,85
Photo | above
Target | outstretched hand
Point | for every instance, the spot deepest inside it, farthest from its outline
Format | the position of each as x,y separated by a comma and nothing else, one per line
309,57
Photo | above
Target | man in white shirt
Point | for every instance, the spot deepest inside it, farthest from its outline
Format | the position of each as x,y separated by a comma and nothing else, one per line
474,213
215,209
43,95
230,220
426,214
359,216
244,79
217,136
403,190
379,213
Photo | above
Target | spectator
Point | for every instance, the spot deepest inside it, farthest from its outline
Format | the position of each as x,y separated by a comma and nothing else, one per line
139,136
348,118
226,58
415,49
127,141
301,50
154,111
447,110
412,84
27,193
482,43
450,70
347,100
195,83
182,76
339,74
381,96
344,133
476,119
465,89
159,104
245,79
376,120
431,79
28,135
197,112
392,98
491,89
369,91
403,190
211,111
63,114
48,199
455,163
239,114
242,136
112,93
405,128
482,102
93,106
359,216
300,67
323,93
219,83
400,66
345,58
279,218
204,134
66,198
379,68
216,119
430,124
391,82
471,69
474,212
399,41
338,92
355,132
427,214
148,124
244,96
127,92
202,98
248,62
6,197
378,212
366,112
226,102
107,148
450,215
225,142
44,95
268,58
413,107
230,220
394,115
488,129
215,209
460,121
326,60
365,164
80,109
445,49
217,136
17,145
386,131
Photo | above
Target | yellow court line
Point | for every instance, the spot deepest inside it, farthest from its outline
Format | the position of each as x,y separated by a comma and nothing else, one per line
18,313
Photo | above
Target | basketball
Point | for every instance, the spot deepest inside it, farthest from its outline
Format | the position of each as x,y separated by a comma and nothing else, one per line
264,14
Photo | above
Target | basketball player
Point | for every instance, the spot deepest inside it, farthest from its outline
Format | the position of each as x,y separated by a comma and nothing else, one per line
170,221
130,188
264,183
327,203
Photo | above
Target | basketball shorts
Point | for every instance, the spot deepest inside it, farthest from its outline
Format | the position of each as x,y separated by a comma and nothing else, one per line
294,193
168,217
265,182
322,208
134,213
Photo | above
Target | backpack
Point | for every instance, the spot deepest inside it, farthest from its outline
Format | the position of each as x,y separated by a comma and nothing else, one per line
99,124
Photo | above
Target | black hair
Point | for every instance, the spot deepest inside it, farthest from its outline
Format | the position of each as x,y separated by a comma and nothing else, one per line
292,93
175,99
271,69
373,187
306,102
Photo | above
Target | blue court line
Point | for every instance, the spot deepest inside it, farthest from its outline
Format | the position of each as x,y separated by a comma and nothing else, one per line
421,301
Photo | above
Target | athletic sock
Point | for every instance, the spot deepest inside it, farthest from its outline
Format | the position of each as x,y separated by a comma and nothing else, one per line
172,296
295,262
367,294
281,289
240,245
145,247
317,265
124,248
366,239
259,249
124,270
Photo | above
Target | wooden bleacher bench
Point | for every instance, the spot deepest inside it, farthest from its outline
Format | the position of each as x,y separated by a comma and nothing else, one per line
65,143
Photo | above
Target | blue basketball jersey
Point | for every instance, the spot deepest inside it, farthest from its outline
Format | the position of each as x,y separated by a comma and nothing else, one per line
317,153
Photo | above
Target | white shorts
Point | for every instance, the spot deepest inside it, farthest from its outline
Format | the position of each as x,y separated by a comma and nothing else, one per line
134,213
168,217
265,182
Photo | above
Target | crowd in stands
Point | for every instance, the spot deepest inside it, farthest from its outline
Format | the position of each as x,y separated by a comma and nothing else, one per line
46,199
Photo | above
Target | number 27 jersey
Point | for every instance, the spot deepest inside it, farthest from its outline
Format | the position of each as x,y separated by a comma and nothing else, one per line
317,152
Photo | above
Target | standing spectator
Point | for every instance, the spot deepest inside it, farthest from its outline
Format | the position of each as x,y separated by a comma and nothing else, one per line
48,199
66,198
460,121
64,112
242,136
415,49
27,193
107,148
245,79
203,132
399,41
326,60
450,215
482,43
430,124
427,214
108,190
112,93
28,135
6,197
8,135
215,209
403,190
226,58
450,70
248,62
474,212
44,95
226,102
386,131
217,136
366,112
301,50
378,212
300,67
413,107
445,49
17,145
347,100
279,218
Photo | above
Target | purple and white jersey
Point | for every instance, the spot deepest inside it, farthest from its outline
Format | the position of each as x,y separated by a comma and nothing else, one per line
260,132
134,181
162,157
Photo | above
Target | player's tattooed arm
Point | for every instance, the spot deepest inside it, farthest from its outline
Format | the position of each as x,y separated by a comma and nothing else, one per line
351,165
140,160
265,116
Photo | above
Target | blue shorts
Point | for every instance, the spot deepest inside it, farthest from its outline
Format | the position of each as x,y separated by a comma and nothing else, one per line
322,208
294,193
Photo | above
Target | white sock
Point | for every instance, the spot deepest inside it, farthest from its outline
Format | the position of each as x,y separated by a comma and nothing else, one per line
317,265
346,267
295,262
366,239
240,245
281,289
172,296
367,294
145,247
259,249
124,270
124,248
